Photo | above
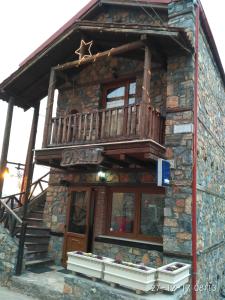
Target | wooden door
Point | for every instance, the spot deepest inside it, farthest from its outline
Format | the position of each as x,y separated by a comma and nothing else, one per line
78,227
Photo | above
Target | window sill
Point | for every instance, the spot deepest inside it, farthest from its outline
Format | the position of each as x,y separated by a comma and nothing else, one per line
130,242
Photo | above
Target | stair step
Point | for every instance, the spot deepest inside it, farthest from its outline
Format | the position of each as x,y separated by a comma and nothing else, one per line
35,214
34,255
36,262
31,229
37,211
37,246
35,251
34,221
35,235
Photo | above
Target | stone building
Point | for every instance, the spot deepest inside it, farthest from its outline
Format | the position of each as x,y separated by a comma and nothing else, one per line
148,84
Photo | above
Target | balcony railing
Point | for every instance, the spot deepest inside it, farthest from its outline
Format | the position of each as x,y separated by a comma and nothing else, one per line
137,121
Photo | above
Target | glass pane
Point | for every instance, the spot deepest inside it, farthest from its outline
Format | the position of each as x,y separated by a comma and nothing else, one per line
132,93
78,213
116,92
152,207
115,97
132,88
115,103
122,219
131,101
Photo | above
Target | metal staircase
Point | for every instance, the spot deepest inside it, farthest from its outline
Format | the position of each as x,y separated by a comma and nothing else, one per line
25,222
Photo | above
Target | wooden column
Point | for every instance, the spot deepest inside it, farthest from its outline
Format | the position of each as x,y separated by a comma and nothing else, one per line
28,171
145,93
147,76
49,108
5,144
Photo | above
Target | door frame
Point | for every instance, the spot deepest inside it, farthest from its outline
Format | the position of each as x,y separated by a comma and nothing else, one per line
90,218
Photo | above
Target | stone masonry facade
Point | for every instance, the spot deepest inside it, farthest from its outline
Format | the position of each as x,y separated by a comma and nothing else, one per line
211,179
172,91
8,255
57,202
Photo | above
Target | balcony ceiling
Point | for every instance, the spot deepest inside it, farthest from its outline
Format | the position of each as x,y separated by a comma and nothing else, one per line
29,84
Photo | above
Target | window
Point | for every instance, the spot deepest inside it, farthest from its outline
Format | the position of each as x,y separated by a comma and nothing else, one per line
119,94
136,213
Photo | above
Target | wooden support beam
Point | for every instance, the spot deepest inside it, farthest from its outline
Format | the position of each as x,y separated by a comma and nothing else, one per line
117,162
114,51
29,167
49,108
5,144
133,160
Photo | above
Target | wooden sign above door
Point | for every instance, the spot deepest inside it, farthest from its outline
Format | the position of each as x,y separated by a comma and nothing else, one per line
81,156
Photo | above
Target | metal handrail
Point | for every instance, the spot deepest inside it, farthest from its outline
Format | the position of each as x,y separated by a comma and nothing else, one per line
11,219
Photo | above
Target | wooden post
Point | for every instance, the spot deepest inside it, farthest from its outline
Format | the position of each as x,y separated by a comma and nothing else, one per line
49,108
28,172
145,93
147,76
5,144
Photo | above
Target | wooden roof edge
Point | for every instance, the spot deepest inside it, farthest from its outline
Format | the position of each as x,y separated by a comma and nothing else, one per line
78,23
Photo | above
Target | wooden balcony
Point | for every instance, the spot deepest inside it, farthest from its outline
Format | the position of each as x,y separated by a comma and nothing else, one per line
139,121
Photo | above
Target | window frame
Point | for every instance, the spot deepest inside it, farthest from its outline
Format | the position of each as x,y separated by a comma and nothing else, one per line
136,235
119,83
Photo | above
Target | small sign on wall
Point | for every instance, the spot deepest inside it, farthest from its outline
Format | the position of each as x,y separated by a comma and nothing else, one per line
183,128
163,172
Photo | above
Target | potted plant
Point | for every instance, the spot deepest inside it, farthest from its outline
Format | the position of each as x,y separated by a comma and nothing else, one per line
173,276
88,264
137,277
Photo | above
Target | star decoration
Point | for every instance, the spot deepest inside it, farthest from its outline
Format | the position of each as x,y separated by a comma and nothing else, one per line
84,48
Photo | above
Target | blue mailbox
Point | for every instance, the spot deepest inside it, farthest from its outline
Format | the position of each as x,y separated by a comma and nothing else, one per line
163,172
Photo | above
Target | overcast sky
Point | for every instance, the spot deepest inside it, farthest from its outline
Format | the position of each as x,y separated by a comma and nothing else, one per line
25,24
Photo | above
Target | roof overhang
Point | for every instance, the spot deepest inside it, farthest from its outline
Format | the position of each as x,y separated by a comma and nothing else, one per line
29,83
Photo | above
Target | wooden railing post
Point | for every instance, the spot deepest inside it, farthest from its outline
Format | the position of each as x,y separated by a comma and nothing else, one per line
5,145
49,109
143,115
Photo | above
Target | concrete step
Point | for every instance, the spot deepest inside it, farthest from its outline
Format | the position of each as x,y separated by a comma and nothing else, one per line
48,287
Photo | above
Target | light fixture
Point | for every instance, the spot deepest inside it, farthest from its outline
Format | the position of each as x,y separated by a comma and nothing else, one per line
5,173
102,176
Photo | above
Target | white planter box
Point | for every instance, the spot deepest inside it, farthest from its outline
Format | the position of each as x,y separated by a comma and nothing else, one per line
87,265
172,280
130,277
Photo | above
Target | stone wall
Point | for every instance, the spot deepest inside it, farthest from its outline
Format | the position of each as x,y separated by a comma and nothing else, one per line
57,202
8,255
84,93
150,258
178,139
211,179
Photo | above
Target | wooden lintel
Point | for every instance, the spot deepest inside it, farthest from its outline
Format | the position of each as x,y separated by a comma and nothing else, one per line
114,51
151,156
132,160
116,161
